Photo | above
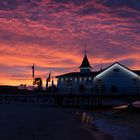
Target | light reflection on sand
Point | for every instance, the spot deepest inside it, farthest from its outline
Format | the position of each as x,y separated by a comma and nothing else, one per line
121,126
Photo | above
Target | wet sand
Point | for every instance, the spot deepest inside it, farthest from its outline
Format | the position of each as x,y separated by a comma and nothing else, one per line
121,126
34,122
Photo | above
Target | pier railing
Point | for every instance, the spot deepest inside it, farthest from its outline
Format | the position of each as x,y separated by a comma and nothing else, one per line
69,100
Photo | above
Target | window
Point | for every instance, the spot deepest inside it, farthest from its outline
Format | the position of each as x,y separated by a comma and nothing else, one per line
134,81
68,83
89,78
75,79
88,81
116,70
61,79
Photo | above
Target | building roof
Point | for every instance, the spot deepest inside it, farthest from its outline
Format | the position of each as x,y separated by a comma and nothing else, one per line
94,73
85,63
134,72
78,74
137,72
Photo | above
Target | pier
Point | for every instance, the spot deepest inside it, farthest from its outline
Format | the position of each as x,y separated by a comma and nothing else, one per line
89,101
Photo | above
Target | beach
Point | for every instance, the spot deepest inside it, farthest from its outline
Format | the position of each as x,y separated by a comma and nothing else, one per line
121,126
27,121
40,122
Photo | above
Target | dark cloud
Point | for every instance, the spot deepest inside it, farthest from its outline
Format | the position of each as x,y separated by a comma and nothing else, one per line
13,69
126,14
135,4
53,69
77,2
8,4
28,1
128,62
12,37
88,11
38,0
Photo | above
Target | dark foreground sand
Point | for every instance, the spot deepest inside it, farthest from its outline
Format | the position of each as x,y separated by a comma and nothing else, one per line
34,122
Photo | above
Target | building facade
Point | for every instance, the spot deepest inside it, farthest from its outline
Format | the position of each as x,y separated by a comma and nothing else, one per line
115,79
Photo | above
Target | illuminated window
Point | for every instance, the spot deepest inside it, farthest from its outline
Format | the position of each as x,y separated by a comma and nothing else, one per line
89,78
75,79
85,78
61,79
80,79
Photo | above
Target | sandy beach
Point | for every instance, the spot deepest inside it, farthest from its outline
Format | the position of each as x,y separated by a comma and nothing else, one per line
39,122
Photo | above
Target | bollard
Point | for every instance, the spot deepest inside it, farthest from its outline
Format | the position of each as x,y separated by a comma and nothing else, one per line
84,116
78,115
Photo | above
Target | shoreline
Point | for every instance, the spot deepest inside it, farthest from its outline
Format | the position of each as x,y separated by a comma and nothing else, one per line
41,123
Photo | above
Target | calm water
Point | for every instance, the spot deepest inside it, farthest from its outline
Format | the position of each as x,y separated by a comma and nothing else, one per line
122,127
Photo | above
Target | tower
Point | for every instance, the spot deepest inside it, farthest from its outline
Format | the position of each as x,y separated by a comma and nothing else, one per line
85,67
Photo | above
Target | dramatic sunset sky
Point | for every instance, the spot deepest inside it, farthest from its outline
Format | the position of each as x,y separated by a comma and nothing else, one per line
52,34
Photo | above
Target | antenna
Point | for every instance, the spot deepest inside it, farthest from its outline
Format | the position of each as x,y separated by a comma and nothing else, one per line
101,66
85,49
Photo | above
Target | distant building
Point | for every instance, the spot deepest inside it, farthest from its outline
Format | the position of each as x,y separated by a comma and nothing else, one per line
115,79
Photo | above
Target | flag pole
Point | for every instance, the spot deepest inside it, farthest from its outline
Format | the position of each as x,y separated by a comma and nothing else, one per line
33,73
48,80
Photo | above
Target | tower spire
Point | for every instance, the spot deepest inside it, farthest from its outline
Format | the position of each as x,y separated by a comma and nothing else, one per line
85,49
85,66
